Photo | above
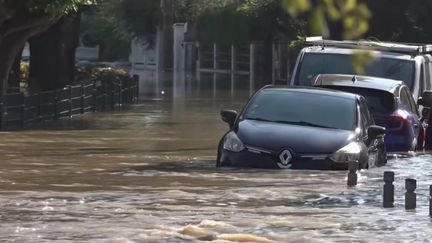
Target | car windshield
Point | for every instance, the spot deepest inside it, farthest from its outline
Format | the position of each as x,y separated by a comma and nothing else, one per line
379,102
319,63
303,108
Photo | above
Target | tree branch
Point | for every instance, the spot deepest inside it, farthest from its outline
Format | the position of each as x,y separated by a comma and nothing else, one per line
29,23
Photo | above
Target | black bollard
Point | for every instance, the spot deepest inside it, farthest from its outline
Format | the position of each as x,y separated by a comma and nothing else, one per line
352,173
430,201
388,194
410,195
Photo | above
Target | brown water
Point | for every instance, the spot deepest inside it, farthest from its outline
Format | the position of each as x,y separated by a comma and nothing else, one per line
147,174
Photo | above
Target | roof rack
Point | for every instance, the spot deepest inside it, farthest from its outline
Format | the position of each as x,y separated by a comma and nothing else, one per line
404,48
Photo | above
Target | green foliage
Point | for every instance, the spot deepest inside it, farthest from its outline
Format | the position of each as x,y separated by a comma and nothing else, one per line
50,7
25,67
353,15
191,10
99,73
256,7
360,59
138,17
257,20
104,30
405,21
271,21
116,22
298,43
224,26
24,74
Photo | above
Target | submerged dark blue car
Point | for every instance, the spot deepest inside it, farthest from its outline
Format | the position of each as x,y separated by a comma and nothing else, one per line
301,128
390,102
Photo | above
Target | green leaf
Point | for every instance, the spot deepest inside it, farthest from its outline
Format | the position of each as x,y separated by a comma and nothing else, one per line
350,5
360,59
295,7
317,23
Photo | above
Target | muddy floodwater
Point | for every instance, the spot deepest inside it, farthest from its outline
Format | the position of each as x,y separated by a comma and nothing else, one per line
147,173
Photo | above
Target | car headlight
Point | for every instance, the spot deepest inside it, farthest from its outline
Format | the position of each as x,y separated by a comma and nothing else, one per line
232,143
350,152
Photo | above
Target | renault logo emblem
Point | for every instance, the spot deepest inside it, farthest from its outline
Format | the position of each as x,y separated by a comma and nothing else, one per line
285,157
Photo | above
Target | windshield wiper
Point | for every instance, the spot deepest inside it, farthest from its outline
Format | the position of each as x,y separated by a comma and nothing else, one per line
305,123
258,119
300,123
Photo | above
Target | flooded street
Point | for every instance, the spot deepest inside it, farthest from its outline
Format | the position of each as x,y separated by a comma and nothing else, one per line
147,174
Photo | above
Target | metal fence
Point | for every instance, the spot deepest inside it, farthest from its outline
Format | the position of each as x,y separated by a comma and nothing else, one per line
19,109
225,60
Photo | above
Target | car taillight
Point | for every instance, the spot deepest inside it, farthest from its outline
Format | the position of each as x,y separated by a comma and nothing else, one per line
395,122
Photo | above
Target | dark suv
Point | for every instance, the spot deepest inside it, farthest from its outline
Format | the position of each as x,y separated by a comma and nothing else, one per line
390,102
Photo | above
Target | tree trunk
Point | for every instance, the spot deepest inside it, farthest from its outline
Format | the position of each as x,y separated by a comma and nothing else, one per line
9,48
13,34
166,35
15,72
52,55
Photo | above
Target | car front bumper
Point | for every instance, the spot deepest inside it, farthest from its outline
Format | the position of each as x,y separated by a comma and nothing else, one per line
270,160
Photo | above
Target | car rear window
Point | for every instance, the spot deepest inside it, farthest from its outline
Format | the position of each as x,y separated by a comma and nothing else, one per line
379,101
326,63
297,106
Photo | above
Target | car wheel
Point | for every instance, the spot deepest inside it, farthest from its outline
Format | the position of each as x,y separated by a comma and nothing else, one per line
367,165
364,162
382,155
421,138
219,155
414,145
218,162
339,166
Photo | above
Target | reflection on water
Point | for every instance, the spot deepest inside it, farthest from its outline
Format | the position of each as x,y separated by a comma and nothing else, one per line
146,174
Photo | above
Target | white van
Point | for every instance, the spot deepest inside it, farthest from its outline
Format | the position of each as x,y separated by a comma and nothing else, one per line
411,63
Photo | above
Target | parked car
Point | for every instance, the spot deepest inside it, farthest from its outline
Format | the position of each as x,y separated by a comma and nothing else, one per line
301,128
390,102
411,63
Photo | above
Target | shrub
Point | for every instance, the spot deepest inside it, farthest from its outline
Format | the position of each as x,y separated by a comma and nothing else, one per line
99,73
25,67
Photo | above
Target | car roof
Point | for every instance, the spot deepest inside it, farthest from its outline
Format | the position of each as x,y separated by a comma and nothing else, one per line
312,90
372,44
366,82
348,51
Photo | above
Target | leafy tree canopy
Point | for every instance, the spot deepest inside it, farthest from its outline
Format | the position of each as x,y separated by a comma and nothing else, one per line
352,16
56,7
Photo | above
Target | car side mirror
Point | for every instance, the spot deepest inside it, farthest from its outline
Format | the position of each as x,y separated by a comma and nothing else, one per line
229,116
426,99
375,131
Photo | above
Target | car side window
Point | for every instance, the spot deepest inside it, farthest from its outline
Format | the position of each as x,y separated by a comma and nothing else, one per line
412,102
365,116
407,99
428,67
427,76
369,117
422,79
